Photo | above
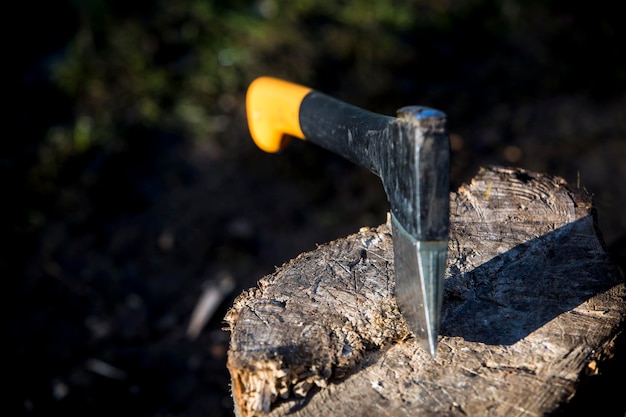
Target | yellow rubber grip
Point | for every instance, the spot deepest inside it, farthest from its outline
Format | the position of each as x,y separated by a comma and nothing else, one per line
273,108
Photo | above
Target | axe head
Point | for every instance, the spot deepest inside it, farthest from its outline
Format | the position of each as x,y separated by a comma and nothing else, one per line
415,175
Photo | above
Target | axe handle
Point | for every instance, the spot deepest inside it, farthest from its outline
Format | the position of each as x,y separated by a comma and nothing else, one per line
278,109
272,108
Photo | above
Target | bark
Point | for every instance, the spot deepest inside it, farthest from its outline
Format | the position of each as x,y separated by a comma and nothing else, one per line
532,303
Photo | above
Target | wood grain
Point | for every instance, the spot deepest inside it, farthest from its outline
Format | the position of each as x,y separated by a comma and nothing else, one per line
531,304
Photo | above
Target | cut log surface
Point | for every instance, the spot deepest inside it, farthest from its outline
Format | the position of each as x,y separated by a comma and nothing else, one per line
532,303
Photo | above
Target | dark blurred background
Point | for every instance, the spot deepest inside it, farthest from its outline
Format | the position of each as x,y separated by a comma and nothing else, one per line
132,185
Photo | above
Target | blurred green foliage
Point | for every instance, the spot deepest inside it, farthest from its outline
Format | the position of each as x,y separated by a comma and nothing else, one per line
183,66
178,65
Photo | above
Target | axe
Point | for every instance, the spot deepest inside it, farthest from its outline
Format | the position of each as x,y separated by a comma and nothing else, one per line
411,155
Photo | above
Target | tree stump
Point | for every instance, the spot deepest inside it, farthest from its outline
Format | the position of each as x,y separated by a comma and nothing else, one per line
531,304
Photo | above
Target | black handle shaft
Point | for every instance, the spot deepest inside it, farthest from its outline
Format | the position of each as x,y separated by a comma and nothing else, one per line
344,129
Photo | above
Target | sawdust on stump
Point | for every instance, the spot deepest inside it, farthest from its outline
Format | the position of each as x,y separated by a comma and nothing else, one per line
531,302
